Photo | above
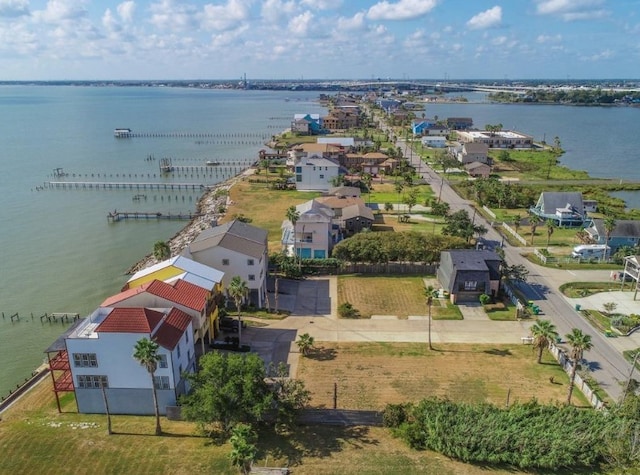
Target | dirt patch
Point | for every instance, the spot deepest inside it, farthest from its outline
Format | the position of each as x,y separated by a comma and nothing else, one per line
371,375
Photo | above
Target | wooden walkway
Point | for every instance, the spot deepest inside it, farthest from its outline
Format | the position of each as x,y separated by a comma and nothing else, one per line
116,216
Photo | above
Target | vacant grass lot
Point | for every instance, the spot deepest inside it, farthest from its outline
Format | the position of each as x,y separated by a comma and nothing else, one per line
388,295
266,207
371,375
34,438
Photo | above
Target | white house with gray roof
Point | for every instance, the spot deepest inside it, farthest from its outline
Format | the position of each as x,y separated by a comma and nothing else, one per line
563,208
237,249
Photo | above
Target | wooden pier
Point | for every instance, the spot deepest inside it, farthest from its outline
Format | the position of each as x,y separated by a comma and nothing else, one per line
104,185
129,134
115,216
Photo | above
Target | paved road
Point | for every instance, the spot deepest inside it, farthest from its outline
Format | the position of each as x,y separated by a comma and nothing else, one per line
608,366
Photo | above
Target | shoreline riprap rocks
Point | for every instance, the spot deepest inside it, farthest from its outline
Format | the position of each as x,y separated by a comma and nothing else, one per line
207,207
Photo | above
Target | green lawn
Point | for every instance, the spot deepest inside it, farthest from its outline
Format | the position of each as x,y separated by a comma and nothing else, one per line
502,311
535,165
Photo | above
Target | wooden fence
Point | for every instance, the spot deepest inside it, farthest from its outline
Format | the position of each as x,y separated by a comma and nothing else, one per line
412,268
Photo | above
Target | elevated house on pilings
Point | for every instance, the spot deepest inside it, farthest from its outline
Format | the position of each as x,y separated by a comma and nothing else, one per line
563,208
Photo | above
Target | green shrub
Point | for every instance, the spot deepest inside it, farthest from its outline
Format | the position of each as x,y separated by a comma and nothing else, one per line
527,436
485,299
346,310
394,415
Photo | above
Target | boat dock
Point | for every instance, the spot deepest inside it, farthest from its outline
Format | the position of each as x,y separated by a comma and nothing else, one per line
104,185
115,216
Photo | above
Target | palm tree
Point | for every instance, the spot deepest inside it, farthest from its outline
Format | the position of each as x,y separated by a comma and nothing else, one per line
579,343
430,292
533,222
544,333
609,226
305,343
516,222
550,227
399,187
238,291
146,353
293,215
161,250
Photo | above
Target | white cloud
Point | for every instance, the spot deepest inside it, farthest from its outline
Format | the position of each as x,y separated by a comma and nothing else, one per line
126,11
109,21
225,17
487,19
603,55
572,10
499,41
548,39
299,25
401,10
322,4
274,11
14,8
356,22
592,15
168,16
61,10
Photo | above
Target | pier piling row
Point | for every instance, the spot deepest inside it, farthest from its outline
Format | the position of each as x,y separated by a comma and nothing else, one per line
125,185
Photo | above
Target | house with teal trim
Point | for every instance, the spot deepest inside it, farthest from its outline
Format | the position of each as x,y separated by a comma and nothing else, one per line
313,235
563,208
308,124
626,233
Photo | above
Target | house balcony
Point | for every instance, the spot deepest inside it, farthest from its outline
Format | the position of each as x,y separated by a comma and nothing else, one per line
64,382
60,361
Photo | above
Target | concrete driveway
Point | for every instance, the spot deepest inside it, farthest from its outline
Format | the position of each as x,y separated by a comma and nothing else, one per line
304,297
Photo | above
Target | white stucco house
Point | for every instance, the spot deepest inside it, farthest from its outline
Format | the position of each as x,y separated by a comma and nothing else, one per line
434,141
237,249
314,233
315,173
100,352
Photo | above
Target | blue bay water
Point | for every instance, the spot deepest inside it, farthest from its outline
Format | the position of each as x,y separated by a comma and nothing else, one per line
58,253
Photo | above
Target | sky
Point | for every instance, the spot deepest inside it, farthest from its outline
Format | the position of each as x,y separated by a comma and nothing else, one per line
319,39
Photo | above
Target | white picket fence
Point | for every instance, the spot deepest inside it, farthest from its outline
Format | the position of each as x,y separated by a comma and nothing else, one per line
489,212
513,232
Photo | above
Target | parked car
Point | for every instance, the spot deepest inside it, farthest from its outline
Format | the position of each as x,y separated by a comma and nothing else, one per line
230,324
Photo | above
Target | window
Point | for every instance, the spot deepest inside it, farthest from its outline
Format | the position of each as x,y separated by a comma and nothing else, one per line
250,262
91,381
321,177
162,361
161,382
188,355
298,169
178,347
470,285
186,337
298,178
85,360
225,262
252,277
180,368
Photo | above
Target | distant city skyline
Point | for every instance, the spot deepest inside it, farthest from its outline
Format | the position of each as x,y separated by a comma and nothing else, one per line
319,39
